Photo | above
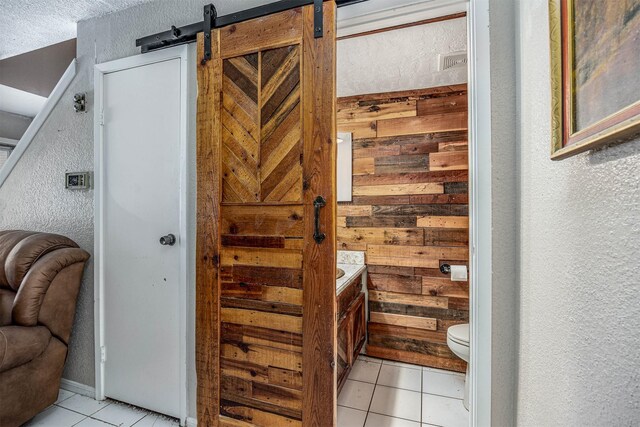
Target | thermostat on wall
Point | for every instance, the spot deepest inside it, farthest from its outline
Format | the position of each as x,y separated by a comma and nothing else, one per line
77,180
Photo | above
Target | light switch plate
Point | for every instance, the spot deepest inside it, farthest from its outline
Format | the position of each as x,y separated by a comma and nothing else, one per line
77,180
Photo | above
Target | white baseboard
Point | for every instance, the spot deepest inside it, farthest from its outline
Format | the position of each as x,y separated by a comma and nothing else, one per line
192,422
78,388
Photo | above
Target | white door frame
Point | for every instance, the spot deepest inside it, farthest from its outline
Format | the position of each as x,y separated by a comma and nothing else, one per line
368,16
480,226
187,213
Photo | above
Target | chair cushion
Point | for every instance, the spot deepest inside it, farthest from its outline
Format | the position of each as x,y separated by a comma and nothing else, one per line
8,240
26,252
21,344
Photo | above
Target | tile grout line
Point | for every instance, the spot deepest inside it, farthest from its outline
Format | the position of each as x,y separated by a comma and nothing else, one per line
393,416
421,393
372,394
442,395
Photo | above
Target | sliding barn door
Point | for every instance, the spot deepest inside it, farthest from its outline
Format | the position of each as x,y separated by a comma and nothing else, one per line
265,287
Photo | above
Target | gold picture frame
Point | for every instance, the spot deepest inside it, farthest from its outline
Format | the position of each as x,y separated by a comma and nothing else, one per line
567,137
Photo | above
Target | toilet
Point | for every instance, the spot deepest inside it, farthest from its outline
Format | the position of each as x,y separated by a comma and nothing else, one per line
458,342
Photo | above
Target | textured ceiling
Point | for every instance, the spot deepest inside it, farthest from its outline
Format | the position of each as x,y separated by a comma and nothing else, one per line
26,25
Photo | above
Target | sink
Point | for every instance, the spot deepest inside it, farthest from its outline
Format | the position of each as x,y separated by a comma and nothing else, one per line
339,273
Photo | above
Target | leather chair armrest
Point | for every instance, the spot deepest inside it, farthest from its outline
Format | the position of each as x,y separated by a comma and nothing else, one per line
21,344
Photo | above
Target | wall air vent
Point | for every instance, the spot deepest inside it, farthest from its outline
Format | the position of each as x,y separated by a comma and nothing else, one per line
452,60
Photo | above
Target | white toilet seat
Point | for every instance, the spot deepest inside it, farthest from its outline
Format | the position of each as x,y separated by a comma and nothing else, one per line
459,334
458,342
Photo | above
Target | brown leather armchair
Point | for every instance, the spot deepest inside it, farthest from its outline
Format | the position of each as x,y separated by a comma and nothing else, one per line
40,276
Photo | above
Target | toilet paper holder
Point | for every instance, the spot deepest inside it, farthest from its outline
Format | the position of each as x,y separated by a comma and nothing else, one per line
457,275
445,269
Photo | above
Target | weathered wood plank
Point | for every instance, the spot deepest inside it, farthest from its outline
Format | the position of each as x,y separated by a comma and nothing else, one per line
439,209
395,283
457,365
382,200
245,335
444,287
278,29
415,300
456,187
408,178
399,189
407,344
262,220
453,146
423,124
449,160
364,166
400,96
208,142
276,321
382,236
353,210
359,129
236,415
427,139
412,333
285,258
319,352
407,321
377,151
442,105
268,276
453,316
262,306
253,241
368,113
450,199
447,237
387,269
385,221
444,221
419,251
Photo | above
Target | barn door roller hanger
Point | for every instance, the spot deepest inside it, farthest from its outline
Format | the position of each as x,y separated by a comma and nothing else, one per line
188,33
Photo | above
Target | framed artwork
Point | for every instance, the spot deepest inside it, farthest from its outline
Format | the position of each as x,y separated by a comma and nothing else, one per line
595,73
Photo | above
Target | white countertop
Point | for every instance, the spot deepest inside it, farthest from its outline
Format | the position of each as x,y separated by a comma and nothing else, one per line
351,271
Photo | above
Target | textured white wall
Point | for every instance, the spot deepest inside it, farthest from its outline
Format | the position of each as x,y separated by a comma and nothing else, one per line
401,59
579,263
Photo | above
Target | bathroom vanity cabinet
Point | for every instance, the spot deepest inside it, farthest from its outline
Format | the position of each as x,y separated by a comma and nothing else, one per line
351,327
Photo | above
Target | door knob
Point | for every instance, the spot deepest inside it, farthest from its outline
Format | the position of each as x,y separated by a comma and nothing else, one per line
168,240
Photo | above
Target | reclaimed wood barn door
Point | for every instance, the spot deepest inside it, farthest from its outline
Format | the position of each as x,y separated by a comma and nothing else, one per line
265,302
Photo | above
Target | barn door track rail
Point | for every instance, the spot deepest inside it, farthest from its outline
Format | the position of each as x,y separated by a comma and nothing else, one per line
188,33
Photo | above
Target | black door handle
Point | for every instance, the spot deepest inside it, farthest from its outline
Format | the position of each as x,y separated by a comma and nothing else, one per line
318,203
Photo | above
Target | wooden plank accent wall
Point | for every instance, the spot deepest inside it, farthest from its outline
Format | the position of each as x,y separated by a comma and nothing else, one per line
410,214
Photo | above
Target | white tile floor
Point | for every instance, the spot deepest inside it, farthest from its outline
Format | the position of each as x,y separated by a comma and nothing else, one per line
76,410
377,394
389,394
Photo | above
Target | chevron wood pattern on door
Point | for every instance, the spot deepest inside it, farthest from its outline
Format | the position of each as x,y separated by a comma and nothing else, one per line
240,129
261,127
272,358
281,143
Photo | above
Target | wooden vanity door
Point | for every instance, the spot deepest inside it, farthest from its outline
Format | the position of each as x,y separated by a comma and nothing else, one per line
266,148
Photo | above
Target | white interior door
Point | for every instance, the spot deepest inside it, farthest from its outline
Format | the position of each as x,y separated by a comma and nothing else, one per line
141,187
